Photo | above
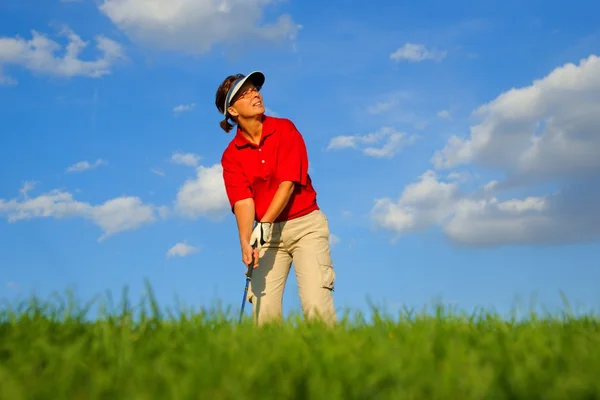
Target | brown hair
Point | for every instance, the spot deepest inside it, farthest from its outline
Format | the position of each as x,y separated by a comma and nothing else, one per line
220,96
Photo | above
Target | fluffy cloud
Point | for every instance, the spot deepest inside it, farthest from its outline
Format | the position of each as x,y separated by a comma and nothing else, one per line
417,52
203,196
381,107
545,130
181,249
183,108
85,165
6,80
113,216
196,26
444,114
481,219
421,205
388,103
384,143
187,159
158,172
543,134
558,218
334,240
40,55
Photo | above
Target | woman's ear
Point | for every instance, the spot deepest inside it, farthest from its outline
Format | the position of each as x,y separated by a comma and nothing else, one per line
232,111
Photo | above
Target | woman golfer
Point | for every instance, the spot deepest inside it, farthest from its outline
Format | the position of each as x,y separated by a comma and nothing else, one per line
265,169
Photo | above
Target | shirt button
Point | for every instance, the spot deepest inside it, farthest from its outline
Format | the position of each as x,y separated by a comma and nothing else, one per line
263,161
259,149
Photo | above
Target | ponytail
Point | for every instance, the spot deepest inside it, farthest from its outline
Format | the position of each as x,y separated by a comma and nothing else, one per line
220,98
226,126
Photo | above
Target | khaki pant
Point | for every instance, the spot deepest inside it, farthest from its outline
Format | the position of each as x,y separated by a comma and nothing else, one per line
305,241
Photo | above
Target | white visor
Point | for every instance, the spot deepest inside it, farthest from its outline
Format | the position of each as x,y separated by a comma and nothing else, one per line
256,77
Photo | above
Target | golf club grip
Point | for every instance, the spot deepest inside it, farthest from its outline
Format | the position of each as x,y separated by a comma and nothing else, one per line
251,266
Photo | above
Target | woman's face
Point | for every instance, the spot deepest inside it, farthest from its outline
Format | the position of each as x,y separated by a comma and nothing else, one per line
248,102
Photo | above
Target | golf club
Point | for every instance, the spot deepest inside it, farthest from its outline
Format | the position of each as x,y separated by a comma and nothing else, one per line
248,279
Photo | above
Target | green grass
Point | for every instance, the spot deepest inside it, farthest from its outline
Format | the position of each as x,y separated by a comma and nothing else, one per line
51,350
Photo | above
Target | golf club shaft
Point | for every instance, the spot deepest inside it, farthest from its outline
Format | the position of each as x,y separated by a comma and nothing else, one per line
248,278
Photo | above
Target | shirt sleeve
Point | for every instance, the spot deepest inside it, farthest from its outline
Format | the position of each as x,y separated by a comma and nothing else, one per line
292,157
237,185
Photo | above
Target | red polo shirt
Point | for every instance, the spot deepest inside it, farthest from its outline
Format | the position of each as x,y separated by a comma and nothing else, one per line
255,171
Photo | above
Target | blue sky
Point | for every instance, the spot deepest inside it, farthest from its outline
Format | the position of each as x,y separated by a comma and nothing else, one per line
453,146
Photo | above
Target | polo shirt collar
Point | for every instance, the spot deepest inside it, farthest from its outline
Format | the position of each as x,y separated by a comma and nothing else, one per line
268,128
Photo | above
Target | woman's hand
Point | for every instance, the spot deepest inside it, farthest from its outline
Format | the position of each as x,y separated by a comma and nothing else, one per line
249,254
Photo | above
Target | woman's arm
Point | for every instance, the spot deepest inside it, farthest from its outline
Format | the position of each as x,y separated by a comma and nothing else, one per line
239,194
244,216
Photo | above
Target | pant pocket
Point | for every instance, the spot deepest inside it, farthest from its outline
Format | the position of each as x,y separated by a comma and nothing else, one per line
327,272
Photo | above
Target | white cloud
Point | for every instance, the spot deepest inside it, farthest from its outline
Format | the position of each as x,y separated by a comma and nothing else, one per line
444,114
545,134
27,187
547,129
333,240
558,218
188,159
270,112
417,52
158,172
381,107
389,140
482,219
488,187
113,216
181,249
6,80
420,205
183,108
43,56
196,26
384,103
459,176
85,165
122,214
204,195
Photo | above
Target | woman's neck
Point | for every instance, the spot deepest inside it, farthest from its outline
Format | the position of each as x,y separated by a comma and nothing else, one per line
252,128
